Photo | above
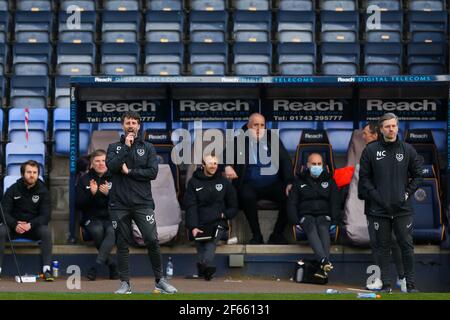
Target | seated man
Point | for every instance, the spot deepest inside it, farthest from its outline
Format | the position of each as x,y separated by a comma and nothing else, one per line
252,184
92,201
26,205
314,203
210,201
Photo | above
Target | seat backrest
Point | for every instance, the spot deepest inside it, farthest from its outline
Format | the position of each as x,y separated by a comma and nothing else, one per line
296,5
313,141
29,91
338,5
385,5
208,5
426,5
251,5
35,6
33,27
165,5
102,139
122,5
83,5
18,153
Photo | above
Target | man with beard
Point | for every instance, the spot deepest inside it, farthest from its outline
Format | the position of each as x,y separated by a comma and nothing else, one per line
26,205
133,164
210,201
92,201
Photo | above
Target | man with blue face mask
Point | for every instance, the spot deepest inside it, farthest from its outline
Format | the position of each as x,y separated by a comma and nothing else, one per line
314,203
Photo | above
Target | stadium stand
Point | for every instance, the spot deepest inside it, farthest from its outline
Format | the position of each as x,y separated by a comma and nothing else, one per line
165,5
252,58
297,59
37,125
29,91
208,58
296,26
164,26
120,26
383,59
296,5
32,59
164,59
339,26
33,27
208,5
75,59
340,58
86,31
389,29
120,59
78,5
208,26
4,26
250,26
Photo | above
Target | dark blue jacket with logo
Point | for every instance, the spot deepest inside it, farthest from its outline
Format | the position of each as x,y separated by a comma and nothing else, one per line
389,170
132,190
315,197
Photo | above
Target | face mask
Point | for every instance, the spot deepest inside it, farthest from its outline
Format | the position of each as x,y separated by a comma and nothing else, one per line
316,171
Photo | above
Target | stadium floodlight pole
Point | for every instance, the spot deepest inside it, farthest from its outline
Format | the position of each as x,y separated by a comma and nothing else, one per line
11,244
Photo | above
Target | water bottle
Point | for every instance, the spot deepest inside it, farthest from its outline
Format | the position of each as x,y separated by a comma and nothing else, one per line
371,295
169,269
55,269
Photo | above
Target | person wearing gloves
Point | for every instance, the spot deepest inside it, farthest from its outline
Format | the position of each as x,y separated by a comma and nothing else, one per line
210,201
314,204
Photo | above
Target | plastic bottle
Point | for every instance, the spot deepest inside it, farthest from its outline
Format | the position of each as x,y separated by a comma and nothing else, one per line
371,295
169,269
332,291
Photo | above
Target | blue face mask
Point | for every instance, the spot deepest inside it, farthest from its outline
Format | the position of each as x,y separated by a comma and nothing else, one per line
316,171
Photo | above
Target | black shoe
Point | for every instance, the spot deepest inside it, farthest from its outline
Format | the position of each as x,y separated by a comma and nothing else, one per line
411,288
386,288
92,274
113,271
209,271
277,238
201,269
256,240
48,276
320,273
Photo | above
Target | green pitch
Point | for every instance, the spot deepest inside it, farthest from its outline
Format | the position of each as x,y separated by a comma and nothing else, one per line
213,296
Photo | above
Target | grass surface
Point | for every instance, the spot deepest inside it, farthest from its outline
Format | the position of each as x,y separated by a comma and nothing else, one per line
213,296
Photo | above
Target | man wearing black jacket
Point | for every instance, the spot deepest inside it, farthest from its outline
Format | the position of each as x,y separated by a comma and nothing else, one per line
26,205
92,201
210,201
389,175
314,203
253,184
133,164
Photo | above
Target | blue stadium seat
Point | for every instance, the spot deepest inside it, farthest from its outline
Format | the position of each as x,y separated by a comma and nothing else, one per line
61,132
34,5
32,59
148,126
62,92
252,58
33,27
383,59
164,26
385,5
86,32
121,59
313,141
83,5
2,90
29,91
252,26
208,58
438,129
208,27
75,59
426,5
290,133
427,208
165,5
427,58
297,58
296,5
208,5
4,5
164,59
388,29
37,125
120,26
339,133
428,26
339,26
340,58
18,153
4,26
296,26
3,58
338,5
121,5
8,181
251,5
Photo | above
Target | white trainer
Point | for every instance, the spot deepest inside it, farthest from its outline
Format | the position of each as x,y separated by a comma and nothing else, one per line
401,283
377,284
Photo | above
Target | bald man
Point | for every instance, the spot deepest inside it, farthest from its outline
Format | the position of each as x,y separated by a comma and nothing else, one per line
314,203
252,185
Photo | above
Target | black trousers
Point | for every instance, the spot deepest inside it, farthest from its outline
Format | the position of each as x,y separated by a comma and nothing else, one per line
402,227
206,250
249,194
42,233
102,232
395,249
317,231
145,221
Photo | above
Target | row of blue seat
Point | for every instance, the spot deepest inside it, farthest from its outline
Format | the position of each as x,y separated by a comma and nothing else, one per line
210,5
215,59
119,27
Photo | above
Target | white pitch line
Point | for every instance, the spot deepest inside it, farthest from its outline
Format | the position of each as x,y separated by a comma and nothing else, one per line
361,290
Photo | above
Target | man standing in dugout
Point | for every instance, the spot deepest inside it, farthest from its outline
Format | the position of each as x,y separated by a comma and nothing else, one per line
390,173
133,164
